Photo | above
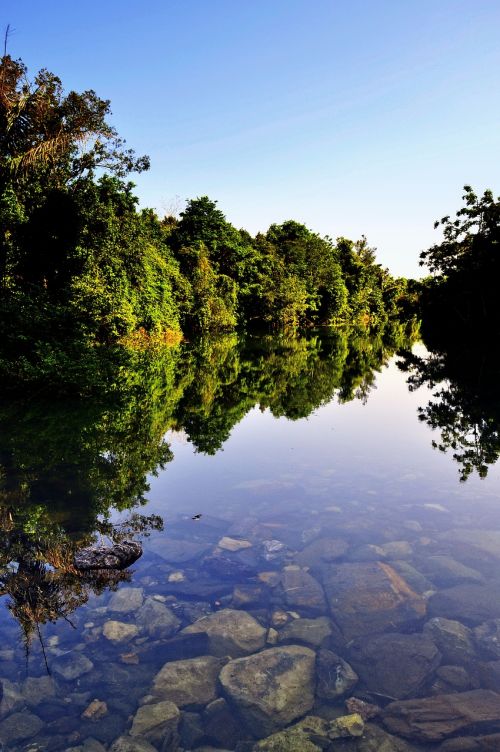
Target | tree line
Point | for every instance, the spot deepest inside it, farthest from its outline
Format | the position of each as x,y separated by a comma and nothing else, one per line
81,265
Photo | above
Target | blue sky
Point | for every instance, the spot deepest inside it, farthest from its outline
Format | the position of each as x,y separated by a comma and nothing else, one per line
352,116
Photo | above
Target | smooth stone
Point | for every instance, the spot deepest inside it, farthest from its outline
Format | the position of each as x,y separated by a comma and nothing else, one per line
248,595
335,677
375,739
175,551
126,600
157,723
432,719
487,637
272,688
157,620
489,674
71,666
230,632
233,544
302,591
415,579
486,541
445,571
395,665
297,738
397,550
470,604
454,640
119,631
321,552
489,743
38,689
346,726
189,682
92,745
12,699
366,598
309,631
191,730
453,679
20,726
129,744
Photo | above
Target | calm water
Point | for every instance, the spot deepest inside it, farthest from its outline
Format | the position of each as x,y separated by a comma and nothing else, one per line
324,519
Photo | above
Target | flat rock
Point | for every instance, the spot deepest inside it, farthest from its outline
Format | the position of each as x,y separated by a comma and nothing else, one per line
302,591
395,665
470,604
488,743
321,552
157,620
366,598
189,682
446,572
126,600
38,689
272,688
233,544
454,640
309,631
119,631
334,675
72,665
156,723
432,719
20,726
175,551
397,550
230,632
485,541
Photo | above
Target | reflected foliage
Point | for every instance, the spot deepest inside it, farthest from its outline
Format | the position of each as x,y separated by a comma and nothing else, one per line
464,409
68,467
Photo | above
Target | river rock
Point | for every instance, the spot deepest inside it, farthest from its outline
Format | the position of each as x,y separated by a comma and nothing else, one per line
19,726
118,556
309,631
272,688
445,571
126,600
221,725
432,719
489,675
366,598
470,604
375,739
454,640
130,744
38,689
119,631
484,541
321,552
189,682
395,665
415,579
157,620
302,591
72,665
487,637
230,632
156,723
233,544
335,676
312,733
489,743
453,679
175,551
397,550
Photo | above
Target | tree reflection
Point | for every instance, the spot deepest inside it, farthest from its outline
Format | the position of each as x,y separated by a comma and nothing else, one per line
68,466
465,408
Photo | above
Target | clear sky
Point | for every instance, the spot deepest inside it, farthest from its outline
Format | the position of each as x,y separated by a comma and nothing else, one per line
352,116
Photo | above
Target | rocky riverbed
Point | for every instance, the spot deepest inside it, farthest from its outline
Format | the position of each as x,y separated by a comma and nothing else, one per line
366,634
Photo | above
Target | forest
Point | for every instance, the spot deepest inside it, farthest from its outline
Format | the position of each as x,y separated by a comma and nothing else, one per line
83,269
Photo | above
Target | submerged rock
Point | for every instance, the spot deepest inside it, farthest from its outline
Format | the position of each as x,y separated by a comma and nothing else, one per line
20,726
366,598
487,637
230,632
302,591
189,682
129,744
118,556
272,688
453,639
119,631
156,723
471,604
321,552
335,676
309,631
157,620
432,719
72,665
126,600
395,665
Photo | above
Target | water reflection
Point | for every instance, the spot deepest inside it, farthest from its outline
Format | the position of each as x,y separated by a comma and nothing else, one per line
465,408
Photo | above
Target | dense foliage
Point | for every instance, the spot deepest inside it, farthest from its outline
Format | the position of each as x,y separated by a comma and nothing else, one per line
460,299
81,266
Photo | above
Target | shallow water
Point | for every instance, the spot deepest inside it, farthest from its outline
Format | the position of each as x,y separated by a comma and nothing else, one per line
343,532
